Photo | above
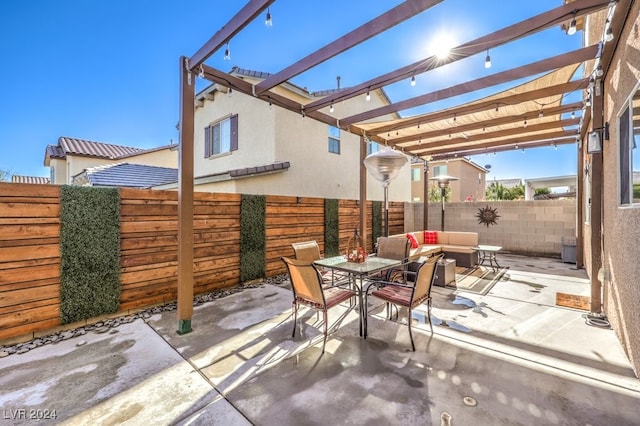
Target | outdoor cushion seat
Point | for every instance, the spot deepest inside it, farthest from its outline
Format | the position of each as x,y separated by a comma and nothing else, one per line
306,284
405,295
309,251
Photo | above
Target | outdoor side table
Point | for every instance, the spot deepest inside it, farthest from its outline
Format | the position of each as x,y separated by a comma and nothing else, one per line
488,253
445,272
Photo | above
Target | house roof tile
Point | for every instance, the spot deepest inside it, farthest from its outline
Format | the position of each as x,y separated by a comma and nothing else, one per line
130,175
95,149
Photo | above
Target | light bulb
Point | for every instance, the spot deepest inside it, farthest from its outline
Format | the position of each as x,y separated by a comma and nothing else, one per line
227,53
368,97
573,115
572,27
487,61
599,71
541,114
331,108
525,123
413,80
608,35
268,22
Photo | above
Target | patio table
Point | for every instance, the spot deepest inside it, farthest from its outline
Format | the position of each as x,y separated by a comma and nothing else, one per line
486,252
358,272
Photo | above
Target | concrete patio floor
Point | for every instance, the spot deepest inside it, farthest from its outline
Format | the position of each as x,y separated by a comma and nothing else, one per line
510,357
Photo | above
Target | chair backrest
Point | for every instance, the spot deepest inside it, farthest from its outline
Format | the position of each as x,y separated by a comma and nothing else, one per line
394,248
424,279
305,281
306,250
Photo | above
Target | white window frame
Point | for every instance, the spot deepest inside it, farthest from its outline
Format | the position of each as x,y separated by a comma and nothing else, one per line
632,140
333,140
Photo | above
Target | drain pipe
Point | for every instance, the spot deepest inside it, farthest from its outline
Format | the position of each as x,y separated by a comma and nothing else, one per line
598,319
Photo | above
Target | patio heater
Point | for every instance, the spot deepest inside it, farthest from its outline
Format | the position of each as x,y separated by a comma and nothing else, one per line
443,184
384,165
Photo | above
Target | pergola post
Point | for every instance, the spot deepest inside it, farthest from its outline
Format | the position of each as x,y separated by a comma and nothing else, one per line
597,122
425,196
363,192
185,198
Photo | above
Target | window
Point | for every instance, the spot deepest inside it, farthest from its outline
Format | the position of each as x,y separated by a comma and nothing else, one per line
629,154
416,172
439,170
221,137
372,147
334,140
52,174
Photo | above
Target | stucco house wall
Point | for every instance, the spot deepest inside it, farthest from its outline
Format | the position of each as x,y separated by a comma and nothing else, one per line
621,224
268,135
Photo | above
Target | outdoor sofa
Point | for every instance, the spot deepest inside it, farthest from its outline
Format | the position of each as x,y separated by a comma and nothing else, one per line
454,245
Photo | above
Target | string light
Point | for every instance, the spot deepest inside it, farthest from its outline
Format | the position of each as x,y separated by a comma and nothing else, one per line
331,108
608,35
599,71
572,26
525,122
227,53
541,114
368,97
487,61
268,22
573,115
413,80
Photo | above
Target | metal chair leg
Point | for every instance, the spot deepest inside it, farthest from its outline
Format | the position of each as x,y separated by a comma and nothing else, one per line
295,319
429,314
413,347
324,343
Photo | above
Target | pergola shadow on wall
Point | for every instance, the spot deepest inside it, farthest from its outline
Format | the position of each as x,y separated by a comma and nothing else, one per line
491,123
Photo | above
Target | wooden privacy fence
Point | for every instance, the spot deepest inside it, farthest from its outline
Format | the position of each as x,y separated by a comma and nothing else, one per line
30,246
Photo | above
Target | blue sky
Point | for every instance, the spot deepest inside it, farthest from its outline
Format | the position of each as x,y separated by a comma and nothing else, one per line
108,70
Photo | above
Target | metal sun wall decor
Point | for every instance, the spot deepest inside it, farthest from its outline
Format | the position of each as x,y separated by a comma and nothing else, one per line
487,216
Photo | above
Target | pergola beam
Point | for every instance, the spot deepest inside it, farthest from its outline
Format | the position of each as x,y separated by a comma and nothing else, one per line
383,22
247,14
548,137
549,125
406,141
487,105
528,145
521,29
574,57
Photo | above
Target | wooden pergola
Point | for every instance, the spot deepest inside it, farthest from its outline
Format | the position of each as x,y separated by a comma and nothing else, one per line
526,116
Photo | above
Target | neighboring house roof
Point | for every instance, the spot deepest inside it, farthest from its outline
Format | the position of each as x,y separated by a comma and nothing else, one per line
243,172
127,175
82,147
30,179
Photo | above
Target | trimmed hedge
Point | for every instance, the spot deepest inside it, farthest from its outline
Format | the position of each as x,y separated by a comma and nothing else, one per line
376,218
253,241
89,252
331,228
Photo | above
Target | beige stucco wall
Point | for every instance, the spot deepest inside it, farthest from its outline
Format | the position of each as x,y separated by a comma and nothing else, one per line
621,224
76,164
468,183
161,158
59,171
524,227
268,135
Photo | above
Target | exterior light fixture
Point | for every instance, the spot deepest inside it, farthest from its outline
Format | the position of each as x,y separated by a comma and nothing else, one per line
384,165
227,53
443,183
487,61
268,22
594,143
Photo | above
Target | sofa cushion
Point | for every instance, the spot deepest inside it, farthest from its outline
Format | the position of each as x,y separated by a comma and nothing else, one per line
430,237
463,239
443,237
413,240
457,249
425,250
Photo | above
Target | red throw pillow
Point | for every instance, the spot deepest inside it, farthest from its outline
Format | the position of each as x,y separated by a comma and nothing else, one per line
431,237
413,239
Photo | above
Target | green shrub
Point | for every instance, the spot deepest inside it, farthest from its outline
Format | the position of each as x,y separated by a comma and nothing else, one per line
376,219
253,243
89,252
331,228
